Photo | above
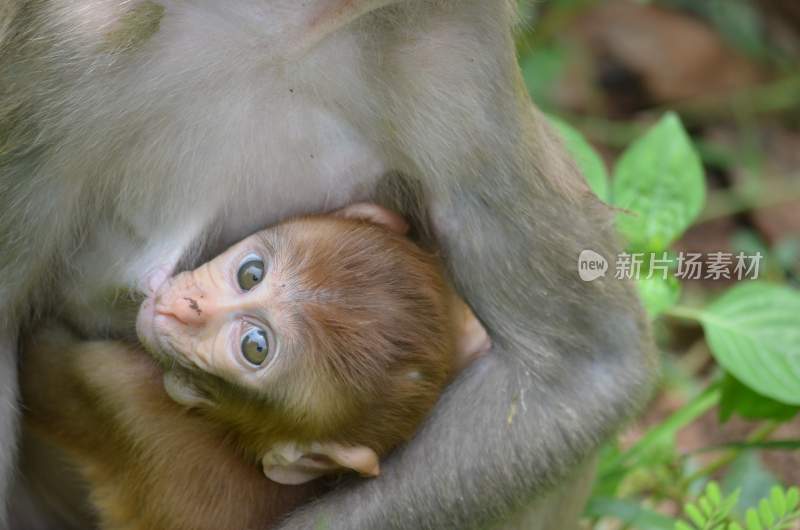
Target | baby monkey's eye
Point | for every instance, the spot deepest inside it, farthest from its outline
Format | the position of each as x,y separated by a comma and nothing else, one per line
250,273
255,346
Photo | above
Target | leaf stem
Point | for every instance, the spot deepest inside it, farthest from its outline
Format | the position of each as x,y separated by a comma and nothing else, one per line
759,435
667,429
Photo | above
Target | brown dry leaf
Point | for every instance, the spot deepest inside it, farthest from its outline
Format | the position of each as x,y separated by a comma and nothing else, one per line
783,24
672,55
787,10
776,212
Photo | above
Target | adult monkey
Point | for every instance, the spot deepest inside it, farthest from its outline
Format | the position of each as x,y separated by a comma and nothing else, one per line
132,131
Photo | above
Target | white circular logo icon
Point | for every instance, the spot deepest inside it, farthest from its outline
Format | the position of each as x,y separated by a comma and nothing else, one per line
591,265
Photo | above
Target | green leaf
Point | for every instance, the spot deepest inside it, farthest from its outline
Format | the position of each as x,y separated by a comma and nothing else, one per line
767,445
680,525
693,512
587,159
778,502
713,494
730,502
753,522
792,499
659,181
629,512
787,252
713,510
748,475
765,512
740,399
658,294
740,24
754,333
541,70
705,505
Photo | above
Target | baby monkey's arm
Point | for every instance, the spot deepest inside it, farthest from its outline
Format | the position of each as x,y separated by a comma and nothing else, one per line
149,462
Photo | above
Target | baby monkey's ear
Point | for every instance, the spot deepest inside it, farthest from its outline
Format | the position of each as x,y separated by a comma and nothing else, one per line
183,392
367,211
292,463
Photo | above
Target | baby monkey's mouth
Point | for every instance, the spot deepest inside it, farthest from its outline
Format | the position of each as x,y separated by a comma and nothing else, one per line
156,332
152,337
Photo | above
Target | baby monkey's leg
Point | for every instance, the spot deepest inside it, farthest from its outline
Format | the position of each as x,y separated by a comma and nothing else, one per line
149,462
71,389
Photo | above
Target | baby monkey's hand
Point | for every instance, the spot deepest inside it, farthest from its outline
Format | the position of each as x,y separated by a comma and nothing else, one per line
472,341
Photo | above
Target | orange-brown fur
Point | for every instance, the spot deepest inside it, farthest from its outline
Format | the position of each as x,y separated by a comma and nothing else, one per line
150,464
376,308
381,330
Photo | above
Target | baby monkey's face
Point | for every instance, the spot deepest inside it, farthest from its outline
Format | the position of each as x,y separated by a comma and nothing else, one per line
248,316
226,318
331,329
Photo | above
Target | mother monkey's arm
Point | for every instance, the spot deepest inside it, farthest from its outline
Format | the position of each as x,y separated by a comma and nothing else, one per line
570,359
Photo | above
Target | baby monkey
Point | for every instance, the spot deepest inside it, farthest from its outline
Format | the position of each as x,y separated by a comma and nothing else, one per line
309,348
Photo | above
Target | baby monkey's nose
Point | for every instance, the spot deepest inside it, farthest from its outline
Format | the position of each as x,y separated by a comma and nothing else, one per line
189,311
189,299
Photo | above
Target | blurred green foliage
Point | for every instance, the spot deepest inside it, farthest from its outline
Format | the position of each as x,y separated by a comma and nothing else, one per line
659,187
753,329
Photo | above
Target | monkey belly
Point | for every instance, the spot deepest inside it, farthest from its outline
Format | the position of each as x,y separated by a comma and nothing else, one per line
175,148
99,297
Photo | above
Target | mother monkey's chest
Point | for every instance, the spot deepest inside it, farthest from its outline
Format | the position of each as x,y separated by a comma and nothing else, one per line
211,146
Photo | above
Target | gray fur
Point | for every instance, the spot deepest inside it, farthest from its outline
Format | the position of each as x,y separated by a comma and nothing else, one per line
8,413
110,160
